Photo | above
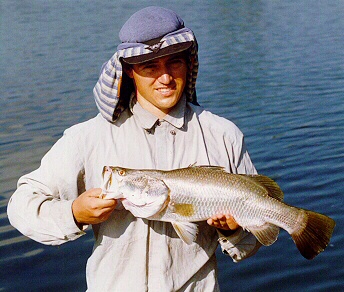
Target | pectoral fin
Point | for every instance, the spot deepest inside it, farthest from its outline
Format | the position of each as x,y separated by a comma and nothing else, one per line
186,231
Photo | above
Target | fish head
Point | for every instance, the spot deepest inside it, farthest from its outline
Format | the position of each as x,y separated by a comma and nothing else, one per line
141,194
110,187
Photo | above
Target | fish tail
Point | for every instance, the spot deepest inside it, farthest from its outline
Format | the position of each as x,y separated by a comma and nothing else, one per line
314,234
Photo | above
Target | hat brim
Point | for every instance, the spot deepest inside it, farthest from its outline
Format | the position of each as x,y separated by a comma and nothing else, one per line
172,49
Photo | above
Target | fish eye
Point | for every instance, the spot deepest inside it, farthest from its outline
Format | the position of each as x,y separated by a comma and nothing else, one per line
121,172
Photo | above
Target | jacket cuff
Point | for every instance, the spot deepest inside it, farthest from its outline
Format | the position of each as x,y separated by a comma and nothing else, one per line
61,210
239,245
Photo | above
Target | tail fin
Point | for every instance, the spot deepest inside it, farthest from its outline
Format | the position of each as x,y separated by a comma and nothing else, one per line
313,238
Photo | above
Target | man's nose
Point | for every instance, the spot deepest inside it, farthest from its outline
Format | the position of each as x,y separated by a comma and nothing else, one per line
165,78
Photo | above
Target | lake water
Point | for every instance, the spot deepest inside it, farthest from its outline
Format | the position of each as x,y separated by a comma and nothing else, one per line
275,68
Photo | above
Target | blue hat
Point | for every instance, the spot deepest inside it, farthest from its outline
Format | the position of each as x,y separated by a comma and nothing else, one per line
149,23
148,26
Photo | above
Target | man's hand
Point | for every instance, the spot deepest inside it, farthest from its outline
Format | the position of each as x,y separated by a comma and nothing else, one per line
88,208
221,221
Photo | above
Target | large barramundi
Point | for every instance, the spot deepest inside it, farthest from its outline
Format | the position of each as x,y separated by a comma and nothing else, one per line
196,193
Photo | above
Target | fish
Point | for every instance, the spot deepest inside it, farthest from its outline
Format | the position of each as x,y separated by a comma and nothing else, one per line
188,195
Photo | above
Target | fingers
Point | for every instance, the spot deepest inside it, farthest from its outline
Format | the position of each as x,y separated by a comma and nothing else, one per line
88,208
231,223
94,196
222,221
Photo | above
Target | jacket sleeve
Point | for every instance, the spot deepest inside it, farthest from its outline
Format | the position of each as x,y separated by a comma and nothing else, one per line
41,207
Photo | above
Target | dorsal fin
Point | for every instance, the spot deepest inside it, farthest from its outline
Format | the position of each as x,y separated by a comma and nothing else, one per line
210,167
272,187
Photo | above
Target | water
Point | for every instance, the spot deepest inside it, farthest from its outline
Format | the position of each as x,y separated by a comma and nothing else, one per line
276,68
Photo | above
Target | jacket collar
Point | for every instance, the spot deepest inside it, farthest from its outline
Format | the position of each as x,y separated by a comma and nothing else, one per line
148,121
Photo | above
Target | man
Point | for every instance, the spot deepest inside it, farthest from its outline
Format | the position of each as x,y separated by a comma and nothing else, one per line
149,118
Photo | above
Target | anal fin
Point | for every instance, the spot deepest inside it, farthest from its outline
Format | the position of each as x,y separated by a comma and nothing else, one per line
266,234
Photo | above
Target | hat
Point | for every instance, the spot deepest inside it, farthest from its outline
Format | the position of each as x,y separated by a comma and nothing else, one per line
148,26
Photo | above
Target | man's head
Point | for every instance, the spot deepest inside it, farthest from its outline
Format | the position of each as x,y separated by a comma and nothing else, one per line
155,36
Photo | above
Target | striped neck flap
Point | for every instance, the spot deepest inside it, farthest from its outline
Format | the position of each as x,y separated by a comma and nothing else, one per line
107,92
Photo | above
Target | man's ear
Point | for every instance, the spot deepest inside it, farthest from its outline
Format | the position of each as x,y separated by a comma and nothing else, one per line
128,70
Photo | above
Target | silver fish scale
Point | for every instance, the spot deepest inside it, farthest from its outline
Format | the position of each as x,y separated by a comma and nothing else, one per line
208,195
203,196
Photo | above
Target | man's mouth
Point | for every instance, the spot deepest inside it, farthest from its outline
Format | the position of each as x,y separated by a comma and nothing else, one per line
165,91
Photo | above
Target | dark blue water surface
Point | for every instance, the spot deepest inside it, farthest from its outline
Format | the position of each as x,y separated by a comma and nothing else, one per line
275,68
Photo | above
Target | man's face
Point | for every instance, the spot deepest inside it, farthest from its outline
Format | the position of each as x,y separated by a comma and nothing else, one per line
160,82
